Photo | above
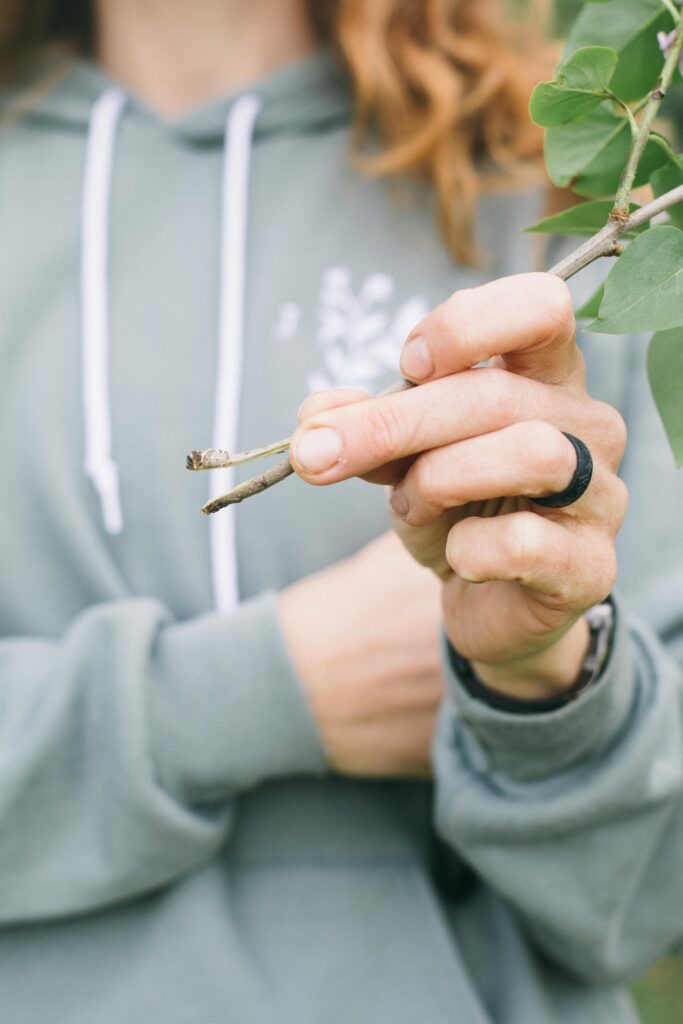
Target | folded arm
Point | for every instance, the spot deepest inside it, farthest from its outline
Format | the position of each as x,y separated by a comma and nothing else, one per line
124,741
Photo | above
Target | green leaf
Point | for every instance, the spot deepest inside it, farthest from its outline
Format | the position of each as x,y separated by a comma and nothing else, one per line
663,180
584,220
579,87
589,155
630,27
552,105
589,69
665,371
591,307
644,290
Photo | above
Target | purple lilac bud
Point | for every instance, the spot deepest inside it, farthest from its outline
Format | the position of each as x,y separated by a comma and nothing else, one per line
666,41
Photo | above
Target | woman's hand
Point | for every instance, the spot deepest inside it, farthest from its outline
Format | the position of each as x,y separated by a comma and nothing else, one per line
363,636
467,451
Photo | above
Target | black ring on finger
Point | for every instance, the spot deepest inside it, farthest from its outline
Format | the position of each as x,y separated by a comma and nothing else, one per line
578,483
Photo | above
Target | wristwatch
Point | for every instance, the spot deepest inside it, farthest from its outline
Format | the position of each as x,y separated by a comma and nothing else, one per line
600,618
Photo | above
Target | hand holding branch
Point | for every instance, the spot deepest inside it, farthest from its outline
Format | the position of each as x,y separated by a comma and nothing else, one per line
466,452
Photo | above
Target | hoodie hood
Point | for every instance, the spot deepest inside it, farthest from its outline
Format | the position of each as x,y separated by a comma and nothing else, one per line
302,97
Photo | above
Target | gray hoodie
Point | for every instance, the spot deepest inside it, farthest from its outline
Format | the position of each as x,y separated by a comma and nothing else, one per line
172,845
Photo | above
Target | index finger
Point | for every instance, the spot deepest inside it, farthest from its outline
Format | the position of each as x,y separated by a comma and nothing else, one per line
526,319
358,439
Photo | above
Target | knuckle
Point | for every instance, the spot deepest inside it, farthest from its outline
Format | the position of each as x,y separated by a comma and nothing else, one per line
523,541
495,397
384,430
552,453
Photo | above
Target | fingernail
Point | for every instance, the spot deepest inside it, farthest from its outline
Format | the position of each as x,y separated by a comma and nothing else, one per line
398,501
416,362
318,449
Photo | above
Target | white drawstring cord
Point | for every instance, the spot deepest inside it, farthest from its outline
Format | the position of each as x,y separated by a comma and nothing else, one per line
234,214
99,465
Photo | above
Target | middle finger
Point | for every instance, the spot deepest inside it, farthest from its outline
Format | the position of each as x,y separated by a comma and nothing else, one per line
529,459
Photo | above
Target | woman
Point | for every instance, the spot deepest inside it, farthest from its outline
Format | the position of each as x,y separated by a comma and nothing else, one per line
218,809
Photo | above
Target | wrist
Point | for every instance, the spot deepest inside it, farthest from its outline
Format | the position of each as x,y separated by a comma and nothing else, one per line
545,674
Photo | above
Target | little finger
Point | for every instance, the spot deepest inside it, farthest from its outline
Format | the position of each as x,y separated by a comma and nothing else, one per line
575,568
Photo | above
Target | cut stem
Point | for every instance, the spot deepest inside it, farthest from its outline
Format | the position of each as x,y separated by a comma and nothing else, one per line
280,471
217,458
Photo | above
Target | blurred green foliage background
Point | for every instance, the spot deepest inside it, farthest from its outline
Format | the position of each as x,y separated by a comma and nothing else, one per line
565,12
658,995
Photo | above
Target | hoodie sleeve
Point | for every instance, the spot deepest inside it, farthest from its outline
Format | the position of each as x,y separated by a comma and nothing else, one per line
122,744
575,816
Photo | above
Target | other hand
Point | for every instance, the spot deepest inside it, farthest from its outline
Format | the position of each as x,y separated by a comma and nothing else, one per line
363,636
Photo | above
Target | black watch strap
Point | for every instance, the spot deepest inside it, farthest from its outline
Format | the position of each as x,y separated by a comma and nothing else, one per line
601,624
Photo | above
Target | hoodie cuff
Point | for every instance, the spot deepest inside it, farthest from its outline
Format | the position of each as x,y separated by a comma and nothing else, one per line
542,744
227,708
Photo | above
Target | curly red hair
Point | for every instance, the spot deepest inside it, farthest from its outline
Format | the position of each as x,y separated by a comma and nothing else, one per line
443,85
